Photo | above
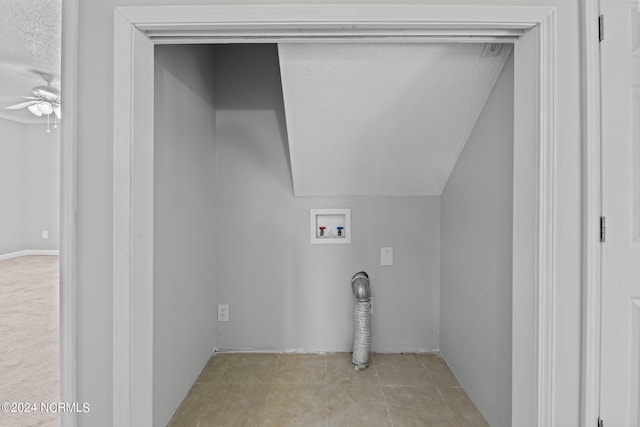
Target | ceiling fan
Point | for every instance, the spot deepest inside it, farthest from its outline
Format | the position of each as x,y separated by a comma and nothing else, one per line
44,102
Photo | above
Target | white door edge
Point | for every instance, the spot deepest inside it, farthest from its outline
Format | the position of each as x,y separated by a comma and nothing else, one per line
592,210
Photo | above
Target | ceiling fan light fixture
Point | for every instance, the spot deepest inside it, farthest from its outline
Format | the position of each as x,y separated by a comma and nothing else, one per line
34,110
45,107
45,102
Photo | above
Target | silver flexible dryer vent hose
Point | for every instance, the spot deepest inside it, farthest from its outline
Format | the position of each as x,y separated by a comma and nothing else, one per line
361,320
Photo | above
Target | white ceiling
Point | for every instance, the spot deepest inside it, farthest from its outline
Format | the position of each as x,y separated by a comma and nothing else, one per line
381,119
29,43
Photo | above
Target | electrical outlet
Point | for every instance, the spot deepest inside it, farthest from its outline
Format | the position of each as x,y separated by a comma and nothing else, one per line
45,234
223,312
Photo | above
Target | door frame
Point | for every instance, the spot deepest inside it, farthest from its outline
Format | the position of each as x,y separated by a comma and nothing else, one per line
533,32
591,213
68,212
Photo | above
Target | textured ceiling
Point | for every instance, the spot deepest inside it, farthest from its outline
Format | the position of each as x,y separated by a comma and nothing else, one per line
383,119
29,44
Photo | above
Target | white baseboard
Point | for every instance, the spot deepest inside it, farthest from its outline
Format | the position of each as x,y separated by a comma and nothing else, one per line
303,351
42,252
29,252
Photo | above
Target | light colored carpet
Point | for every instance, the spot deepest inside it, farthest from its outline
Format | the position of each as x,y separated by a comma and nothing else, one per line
29,337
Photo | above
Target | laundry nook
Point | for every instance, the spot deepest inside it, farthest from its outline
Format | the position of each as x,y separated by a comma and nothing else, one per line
282,170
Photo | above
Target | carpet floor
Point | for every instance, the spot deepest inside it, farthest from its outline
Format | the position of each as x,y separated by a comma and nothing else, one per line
29,339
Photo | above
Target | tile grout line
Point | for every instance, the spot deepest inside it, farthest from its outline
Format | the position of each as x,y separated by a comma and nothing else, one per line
271,384
326,391
428,371
226,366
184,399
384,397
455,419
266,404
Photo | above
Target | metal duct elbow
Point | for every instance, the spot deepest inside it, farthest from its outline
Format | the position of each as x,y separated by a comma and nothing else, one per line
360,286
361,320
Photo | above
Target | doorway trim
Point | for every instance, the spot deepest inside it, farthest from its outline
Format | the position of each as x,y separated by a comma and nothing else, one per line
68,212
531,29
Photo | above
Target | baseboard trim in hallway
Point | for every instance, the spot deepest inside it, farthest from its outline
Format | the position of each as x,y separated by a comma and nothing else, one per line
26,252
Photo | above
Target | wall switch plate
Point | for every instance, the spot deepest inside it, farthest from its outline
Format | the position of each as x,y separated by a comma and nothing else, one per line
386,256
223,312
45,234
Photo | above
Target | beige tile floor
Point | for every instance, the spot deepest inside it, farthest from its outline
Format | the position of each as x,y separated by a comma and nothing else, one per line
265,389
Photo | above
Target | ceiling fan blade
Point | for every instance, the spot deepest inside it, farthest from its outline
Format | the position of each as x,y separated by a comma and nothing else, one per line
34,109
21,105
57,111
46,91
30,97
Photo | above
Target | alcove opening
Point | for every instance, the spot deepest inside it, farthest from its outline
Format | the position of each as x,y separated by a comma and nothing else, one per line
232,195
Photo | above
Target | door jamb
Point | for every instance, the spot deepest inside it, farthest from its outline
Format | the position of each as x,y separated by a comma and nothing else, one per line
137,29
68,211
591,212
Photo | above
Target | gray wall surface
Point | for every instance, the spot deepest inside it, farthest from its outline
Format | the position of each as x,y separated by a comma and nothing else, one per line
12,184
184,288
42,187
95,202
476,258
285,293
29,187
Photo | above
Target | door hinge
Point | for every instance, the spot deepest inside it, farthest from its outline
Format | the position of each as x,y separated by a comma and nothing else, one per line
603,229
600,422
601,27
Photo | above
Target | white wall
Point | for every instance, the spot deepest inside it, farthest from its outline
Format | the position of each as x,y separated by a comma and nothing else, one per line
12,183
42,187
476,258
184,289
29,187
95,202
283,292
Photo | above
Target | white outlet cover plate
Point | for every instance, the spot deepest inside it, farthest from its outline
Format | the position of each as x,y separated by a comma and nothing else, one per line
386,256
223,312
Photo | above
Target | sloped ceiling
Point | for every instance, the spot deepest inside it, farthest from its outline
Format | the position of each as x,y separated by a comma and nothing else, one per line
381,119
